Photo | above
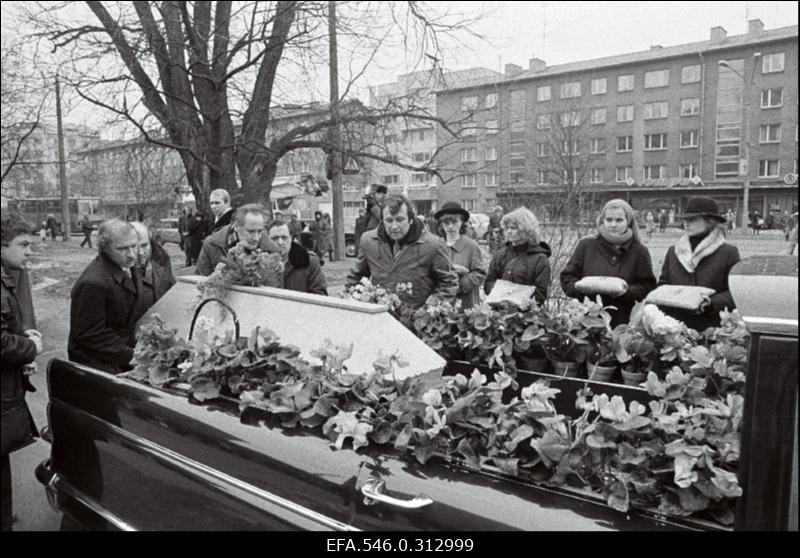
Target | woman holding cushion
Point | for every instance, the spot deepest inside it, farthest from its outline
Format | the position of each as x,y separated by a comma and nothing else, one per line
612,263
701,258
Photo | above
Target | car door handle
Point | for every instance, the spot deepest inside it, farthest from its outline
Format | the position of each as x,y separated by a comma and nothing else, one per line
373,492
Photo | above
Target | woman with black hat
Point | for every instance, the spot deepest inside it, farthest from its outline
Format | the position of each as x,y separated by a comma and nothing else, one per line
617,261
701,258
466,258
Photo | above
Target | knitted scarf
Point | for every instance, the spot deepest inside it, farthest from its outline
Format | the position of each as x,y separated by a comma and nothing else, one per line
689,258
613,239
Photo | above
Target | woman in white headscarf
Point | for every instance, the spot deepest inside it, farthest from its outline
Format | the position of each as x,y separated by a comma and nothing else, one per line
615,251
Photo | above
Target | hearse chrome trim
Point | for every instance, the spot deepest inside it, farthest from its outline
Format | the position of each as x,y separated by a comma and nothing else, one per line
219,481
57,485
373,493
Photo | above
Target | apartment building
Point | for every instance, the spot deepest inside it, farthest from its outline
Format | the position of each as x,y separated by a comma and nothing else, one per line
653,127
414,141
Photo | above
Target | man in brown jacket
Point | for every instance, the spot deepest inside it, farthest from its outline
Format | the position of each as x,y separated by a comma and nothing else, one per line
401,251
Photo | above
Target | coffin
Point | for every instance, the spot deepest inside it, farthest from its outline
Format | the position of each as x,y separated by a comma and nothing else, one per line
305,321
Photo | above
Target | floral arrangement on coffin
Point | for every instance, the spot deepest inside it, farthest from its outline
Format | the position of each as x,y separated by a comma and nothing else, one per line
678,455
253,268
651,341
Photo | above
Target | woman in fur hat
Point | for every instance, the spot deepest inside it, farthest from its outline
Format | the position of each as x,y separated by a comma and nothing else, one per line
701,258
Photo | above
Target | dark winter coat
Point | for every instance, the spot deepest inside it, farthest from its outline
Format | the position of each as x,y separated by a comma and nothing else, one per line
155,281
194,239
526,264
101,317
374,215
16,350
223,221
711,272
630,262
302,272
215,249
321,233
421,260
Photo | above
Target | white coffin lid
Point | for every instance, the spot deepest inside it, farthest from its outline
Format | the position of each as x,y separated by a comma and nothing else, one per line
305,321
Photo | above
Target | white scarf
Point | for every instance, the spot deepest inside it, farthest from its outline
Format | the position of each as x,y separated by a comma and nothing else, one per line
691,259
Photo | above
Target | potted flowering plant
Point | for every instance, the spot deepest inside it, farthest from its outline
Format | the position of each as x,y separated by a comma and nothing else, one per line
602,361
567,339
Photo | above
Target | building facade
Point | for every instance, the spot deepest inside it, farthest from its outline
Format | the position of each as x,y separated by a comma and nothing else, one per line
652,127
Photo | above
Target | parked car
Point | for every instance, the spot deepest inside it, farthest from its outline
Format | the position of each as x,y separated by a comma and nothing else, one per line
121,449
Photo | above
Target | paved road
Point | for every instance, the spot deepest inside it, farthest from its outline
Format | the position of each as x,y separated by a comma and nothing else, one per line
56,268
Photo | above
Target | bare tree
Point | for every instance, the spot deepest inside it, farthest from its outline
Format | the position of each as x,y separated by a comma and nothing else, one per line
207,73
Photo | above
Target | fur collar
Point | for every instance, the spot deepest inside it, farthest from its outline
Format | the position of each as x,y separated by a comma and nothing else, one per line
691,259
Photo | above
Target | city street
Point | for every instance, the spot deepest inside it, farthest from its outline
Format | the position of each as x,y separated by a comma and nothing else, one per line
56,266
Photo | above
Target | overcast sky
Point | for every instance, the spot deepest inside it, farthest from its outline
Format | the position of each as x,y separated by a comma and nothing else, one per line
558,32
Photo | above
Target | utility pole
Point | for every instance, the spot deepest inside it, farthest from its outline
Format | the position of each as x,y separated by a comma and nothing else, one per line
62,167
336,139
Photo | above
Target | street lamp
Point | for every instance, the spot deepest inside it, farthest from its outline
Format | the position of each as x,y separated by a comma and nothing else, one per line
744,163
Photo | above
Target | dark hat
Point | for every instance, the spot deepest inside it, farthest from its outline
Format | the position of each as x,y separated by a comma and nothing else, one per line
704,206
379,188
452,208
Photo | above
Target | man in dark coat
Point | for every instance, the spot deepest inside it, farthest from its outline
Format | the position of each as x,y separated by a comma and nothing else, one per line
194,238
52,226
295,227
247,228
154,271
401,251
18,349
375,202
104,301
301,271
701,258
86,229
220,203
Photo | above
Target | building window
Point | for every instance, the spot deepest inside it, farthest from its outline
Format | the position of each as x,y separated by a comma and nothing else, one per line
469,103
543,93
768,168
659,109
422,134
517,102
653,142
657,78
541,177
469,129
653,172
419,178
570,119
597,145
690,107
469,180
771,98
625,113
542,150
491,154
624,144
690,74
688,170
543,122
469,205
595,176
491,179
390,178
689,138
570,147
469,155
599,86
772,63
598,115
389,138
769,133
624,173
516,177
491,126
490,101
421,157
625,82
570,90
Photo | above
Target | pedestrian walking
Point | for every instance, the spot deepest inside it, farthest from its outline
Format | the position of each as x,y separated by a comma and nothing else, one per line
86,229
701,258
662,220
18,352
650,224
194,239
320,234
52,226
615,250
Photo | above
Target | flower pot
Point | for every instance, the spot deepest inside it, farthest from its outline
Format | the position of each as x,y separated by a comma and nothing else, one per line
600,373
633,378
567,369
531,363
